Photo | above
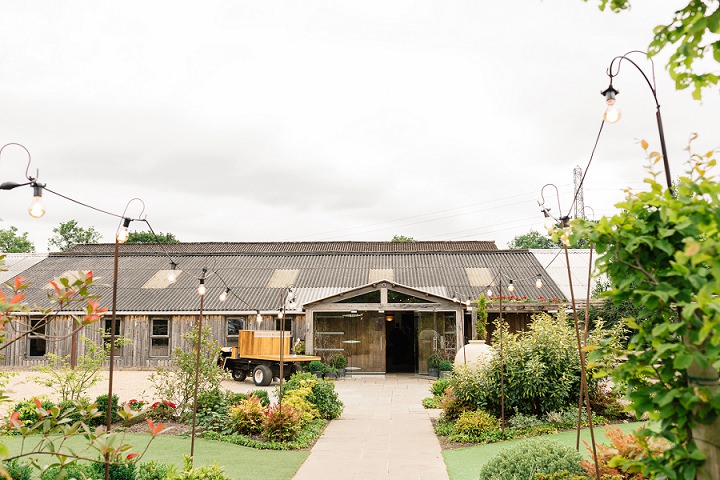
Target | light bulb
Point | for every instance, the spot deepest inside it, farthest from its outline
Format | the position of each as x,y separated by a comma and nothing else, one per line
36,209
280,314
549,224
123,234
201,289
538,282
612,112
511,287
223,295
489,293
259,317
172,278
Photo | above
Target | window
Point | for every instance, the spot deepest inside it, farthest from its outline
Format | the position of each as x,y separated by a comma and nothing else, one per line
37,345
234,325
159,337
106,334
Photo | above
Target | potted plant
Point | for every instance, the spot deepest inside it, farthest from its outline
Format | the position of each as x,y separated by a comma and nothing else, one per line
339,362
445,368
316,367
331,373
433,362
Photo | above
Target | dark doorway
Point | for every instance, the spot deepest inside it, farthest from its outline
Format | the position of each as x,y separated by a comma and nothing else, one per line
400,335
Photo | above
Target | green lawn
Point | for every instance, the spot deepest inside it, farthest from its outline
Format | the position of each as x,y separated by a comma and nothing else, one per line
465,463
240,463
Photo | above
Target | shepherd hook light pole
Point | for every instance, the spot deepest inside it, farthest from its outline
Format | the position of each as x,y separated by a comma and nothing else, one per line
612,114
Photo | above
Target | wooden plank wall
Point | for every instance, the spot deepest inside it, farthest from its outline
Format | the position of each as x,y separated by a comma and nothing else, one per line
137,329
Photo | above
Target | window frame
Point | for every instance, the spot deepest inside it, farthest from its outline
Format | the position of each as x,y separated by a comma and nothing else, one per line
153,336
230,339
33,337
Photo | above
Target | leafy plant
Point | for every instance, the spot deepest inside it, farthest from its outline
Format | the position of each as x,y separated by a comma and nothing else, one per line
281,424
326,399
445,366
72,383
19,470
338,361
525,459
247,416
214,472
476,423
660,252
154,470
438,386
316,366
620,460
482,318
102,405
177,384
433,360
121,471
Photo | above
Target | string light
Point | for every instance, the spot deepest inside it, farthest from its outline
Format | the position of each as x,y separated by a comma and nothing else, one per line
259,317
223,296
172,275
123,234
201,289
36,209
538,282
511,287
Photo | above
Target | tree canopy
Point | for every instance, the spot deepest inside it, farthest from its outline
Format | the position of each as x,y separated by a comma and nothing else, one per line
150,237
68,234
693,32
12,242
402,238
532,239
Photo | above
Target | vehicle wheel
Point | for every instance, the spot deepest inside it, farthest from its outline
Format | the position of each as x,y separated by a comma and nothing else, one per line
262,375
239,375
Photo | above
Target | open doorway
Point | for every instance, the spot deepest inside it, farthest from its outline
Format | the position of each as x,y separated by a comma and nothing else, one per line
401,356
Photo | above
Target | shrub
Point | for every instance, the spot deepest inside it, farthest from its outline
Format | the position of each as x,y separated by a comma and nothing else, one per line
154,471
316,366
446,366
620,459
177,385
19,470
247,416
214,472
438,387
297,400
561,476
102,404
452,406
474,424
75,409
527,458
430,402
520,420
263,395
162,410
281,425
433,360
123,471
70,471
338,361
325,398
28,410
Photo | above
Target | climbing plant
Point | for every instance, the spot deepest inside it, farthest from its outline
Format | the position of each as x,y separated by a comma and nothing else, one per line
660,252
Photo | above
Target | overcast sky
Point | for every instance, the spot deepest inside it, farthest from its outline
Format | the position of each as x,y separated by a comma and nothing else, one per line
328,120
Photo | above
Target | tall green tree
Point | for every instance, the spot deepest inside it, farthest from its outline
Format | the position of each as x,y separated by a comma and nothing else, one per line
693,32
150,237
12,242
532,239
68,234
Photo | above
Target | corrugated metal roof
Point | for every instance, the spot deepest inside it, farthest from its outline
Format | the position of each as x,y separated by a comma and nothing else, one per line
263,248
554,262
320,275
377,274
16,263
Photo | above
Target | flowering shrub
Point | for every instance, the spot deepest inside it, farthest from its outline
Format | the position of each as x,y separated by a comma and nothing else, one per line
136,405
163,410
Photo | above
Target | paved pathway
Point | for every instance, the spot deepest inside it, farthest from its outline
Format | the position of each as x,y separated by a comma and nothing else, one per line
384,433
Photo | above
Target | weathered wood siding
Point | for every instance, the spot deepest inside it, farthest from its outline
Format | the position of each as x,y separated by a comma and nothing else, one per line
137,329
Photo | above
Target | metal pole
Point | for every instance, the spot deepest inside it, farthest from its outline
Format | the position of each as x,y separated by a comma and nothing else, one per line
112,351
502,361
664,150
197,379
